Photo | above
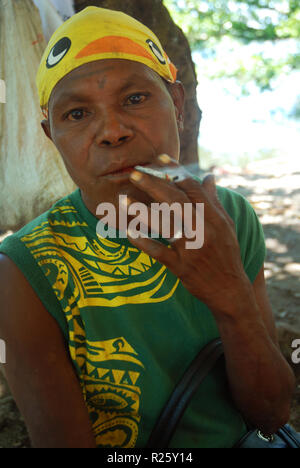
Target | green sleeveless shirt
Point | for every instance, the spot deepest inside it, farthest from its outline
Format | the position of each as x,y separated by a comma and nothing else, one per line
130,325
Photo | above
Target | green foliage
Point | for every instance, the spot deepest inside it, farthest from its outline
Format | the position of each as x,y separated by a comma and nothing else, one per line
209,24
245,20
295,112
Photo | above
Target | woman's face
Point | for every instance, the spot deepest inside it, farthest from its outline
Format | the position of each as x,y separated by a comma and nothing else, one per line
106,117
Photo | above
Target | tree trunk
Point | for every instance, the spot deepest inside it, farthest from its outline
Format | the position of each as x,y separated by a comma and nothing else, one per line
155,16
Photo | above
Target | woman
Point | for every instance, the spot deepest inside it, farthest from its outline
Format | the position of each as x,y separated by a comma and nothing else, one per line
102,328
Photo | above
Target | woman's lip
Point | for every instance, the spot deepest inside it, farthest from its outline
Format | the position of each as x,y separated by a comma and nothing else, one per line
122,173
125,170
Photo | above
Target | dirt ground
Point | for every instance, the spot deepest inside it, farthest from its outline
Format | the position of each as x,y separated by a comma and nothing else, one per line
273,189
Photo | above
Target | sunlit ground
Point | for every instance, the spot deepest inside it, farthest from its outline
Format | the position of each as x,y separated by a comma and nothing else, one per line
272,187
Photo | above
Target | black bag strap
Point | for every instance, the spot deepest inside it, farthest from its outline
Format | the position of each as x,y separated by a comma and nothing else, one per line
182,394
291,437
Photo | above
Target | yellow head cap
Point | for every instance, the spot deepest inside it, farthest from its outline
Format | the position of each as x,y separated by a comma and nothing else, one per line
97,34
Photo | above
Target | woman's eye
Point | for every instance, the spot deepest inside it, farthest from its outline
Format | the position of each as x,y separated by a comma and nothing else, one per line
136,98
75,114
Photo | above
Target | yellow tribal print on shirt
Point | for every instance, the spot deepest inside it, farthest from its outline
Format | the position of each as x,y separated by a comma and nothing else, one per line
130,326
88,273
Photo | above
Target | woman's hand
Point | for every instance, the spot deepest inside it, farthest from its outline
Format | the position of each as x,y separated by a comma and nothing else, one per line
260,379
214,272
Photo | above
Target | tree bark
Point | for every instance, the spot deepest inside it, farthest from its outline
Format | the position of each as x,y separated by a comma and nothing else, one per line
155,16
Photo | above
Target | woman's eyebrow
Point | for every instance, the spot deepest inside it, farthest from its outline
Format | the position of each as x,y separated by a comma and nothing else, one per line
134,80
68,97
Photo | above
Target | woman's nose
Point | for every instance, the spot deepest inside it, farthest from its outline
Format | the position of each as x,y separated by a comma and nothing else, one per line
113,131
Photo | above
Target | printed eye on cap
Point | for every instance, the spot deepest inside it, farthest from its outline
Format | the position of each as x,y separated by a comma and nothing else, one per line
58,52
97,34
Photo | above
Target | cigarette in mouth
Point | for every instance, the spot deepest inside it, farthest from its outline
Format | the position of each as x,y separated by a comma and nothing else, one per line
172,174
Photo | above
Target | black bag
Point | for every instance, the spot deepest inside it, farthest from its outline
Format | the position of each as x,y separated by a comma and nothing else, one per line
285,437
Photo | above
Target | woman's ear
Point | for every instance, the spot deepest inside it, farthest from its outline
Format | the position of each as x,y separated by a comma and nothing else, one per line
177,93
45,124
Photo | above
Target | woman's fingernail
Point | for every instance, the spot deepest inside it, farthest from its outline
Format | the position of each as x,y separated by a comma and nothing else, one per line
136,176
164,158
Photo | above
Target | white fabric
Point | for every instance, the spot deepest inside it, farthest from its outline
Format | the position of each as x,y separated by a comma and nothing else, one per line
64,7
50,18
32,174
53,13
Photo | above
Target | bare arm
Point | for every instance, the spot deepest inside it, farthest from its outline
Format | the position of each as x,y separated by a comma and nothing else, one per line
38,369
254,360
261,381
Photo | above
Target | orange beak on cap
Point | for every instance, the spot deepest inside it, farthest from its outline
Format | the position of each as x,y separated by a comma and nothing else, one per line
115,44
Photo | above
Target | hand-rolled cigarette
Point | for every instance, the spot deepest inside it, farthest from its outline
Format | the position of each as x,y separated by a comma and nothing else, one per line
176,174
